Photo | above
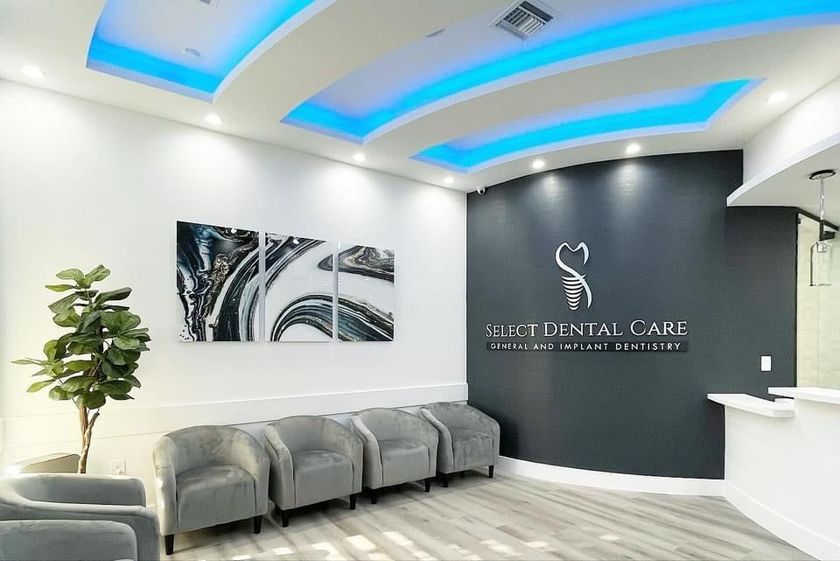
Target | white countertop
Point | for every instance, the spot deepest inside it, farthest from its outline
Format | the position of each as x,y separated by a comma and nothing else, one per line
822,395
782,408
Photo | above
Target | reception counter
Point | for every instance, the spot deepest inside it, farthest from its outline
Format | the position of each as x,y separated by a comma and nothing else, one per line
783,464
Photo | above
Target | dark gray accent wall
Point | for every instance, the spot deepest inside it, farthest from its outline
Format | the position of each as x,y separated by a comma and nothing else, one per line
663,247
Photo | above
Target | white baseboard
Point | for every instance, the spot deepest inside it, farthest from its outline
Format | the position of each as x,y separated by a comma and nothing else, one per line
613,481
810,542
119,421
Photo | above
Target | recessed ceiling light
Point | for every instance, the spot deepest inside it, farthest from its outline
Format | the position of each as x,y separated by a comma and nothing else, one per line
214,119
33,71
633,148
449,180
359,157
778,97
538,164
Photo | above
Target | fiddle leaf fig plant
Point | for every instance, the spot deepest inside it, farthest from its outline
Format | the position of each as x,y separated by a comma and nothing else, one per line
97,358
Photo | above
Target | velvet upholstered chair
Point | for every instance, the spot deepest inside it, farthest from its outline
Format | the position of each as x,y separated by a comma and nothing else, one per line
67,540
313,459
209,475
59,497
469,439
398,448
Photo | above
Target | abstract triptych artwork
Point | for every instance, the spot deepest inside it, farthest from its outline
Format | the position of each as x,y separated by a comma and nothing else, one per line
305,296
218,282
299,287
366,294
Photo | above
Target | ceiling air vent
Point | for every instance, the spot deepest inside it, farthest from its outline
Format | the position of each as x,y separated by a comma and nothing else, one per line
523,19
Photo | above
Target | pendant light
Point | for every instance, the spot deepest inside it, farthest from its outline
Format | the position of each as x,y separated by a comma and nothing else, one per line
821,251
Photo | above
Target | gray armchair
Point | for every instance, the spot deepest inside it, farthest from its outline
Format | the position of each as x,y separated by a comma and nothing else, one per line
313,459
81,497
398,447
469,439
206,476
66,540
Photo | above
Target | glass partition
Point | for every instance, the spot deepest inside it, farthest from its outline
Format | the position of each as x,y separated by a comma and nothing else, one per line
817,315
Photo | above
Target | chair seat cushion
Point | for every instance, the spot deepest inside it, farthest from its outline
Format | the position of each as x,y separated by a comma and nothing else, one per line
321,475
403,460
471,449
213,495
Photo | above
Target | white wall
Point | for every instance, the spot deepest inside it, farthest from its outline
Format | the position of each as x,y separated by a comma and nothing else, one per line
83,184
814,119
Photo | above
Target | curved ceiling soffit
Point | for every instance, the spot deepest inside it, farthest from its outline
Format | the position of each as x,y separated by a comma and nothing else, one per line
184,76
656,113
650,33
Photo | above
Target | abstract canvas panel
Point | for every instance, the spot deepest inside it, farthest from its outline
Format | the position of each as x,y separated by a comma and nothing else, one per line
299,288
366,294
218,282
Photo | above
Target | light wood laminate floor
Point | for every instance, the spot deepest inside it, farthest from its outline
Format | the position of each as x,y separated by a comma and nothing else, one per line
503,518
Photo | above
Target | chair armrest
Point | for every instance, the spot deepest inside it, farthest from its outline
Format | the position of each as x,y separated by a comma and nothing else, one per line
164,455
245,451
477,420
372,458
44,540
141,519
91,489
281,482
445,454
343,440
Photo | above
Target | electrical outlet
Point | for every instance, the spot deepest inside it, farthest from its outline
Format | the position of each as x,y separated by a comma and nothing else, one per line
766,363
117,467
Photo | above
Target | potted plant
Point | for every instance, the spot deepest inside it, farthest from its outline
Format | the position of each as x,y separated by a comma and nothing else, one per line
96,359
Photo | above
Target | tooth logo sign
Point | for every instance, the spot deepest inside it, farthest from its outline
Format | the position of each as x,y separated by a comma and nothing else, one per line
574,283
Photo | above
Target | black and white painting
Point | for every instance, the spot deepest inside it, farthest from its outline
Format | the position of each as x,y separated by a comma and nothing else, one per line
218,282
299,288
366,294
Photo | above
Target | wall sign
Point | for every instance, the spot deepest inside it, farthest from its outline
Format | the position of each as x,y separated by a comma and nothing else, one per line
639,335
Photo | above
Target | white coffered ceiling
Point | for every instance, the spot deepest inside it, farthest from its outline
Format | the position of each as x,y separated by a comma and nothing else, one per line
358,57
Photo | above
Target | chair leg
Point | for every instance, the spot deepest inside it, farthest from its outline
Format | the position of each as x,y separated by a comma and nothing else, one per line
374,496
353,502
445,477
428,483
490,472
257,524
463,474
169,543
284,517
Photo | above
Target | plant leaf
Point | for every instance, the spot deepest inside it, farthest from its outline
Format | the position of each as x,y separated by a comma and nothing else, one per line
97,274
39,386
77,383
58,394
67,318
79,365
110,295
117,356
60,287
94,399
63,303
126,343
28,361
133,381
71,274
115,387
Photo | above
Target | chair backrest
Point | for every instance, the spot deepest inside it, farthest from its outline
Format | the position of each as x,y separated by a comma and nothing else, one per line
450,414
305,432
387,424
201,446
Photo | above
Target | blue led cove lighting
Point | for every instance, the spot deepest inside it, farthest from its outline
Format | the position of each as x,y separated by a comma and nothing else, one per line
762,15
143,67
705,103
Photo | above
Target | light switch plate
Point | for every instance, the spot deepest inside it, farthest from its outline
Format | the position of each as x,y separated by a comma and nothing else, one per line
766,363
